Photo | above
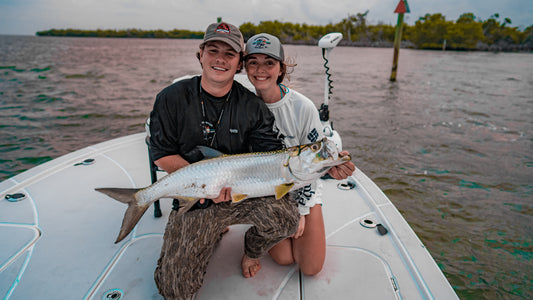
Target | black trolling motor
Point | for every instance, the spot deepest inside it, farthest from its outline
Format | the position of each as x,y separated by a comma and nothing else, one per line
327,43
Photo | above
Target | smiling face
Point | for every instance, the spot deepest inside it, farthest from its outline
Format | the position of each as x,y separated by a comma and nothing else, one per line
263,72
219,63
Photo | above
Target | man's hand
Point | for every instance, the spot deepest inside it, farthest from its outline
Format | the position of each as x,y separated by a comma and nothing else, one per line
342,171
225,195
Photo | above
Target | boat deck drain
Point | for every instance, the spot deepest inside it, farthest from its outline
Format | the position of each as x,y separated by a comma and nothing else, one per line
114,294
15,197
348,185
88,161
370,223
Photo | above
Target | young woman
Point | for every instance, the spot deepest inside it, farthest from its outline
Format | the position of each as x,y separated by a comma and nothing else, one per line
298,121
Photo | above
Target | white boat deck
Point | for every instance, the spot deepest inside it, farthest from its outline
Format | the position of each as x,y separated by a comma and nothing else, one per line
59,241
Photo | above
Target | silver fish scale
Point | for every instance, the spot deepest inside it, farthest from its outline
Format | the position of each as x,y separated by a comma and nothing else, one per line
254,174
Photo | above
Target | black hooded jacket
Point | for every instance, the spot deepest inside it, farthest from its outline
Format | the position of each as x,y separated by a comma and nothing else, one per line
246,123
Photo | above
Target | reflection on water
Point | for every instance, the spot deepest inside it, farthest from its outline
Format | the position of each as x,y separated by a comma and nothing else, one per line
450,142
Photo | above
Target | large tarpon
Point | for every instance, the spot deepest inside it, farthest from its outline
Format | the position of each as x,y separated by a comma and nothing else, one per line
249,175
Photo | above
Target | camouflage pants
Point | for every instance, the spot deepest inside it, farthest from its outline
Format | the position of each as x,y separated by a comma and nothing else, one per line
191,238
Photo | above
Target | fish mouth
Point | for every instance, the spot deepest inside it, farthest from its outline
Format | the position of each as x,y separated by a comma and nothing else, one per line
335,158
345,158
330,152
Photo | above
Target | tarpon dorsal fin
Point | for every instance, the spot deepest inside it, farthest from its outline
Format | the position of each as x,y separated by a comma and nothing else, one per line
209,152
236,198
283,189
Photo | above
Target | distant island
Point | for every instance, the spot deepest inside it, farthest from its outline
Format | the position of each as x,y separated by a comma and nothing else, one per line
432,31
127,33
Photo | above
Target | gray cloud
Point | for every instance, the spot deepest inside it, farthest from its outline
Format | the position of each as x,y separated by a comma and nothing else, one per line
27,17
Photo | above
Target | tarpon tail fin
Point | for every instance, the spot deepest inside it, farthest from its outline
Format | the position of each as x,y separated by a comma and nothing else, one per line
119,194
134,212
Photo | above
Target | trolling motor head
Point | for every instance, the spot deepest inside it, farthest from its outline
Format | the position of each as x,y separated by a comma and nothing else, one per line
327,43
330,40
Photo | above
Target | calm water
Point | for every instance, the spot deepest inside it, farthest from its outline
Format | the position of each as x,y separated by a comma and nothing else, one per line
451,142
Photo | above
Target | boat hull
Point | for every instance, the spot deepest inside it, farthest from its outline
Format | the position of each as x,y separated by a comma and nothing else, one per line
59,240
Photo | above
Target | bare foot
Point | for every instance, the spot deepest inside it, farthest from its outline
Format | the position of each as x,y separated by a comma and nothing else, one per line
224,231
250,266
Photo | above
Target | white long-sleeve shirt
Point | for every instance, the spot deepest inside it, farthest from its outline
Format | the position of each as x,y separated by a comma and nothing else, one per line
298,121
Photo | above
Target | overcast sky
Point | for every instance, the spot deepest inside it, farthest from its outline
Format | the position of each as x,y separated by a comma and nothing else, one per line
25,17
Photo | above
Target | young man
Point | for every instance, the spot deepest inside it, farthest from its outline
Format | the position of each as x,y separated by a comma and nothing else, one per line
215,111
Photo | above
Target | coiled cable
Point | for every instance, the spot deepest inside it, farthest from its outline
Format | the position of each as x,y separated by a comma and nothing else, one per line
328,75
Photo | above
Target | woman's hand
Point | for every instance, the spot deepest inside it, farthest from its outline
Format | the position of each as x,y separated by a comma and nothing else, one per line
301,227
342,171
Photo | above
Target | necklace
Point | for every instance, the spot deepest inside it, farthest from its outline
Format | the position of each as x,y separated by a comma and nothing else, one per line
283,90
208,129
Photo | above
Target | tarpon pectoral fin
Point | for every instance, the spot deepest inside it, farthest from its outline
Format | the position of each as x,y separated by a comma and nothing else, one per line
283,189
235,198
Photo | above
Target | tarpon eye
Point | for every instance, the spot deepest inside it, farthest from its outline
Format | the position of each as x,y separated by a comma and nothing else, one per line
315,147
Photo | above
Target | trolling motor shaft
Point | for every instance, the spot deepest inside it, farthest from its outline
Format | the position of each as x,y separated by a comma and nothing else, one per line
327,43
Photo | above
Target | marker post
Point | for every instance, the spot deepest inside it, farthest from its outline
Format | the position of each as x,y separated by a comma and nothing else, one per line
401,9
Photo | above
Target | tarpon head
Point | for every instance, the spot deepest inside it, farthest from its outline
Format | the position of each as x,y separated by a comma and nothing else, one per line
309,162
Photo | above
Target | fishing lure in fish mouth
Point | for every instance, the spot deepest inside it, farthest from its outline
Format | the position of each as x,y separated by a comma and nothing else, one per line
249,175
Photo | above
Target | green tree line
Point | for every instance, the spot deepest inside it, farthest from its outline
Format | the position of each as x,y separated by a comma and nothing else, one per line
431,31
469,33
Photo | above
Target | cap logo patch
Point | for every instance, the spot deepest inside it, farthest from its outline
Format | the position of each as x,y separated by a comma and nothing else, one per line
261,43
223,28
